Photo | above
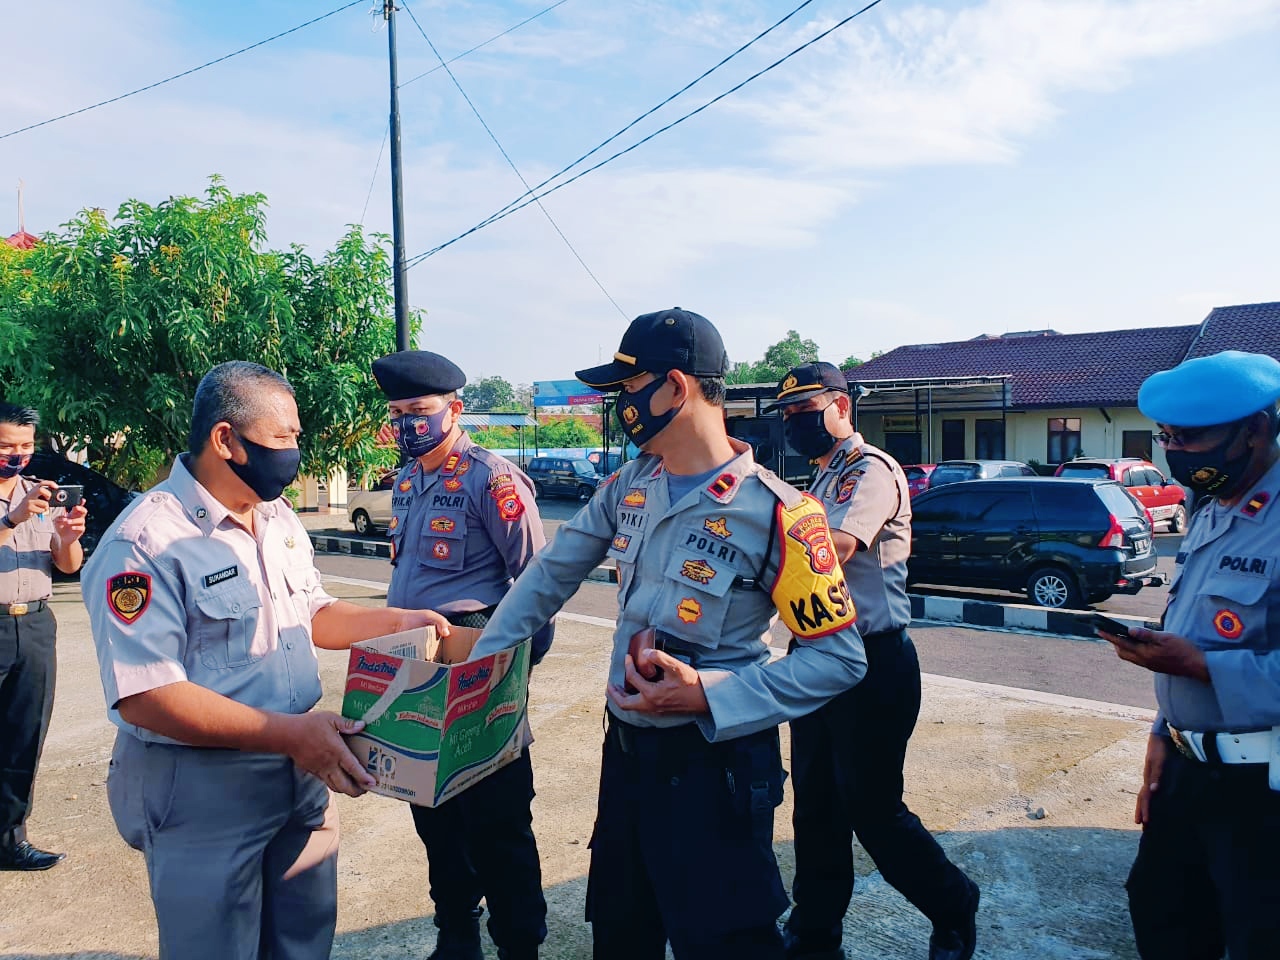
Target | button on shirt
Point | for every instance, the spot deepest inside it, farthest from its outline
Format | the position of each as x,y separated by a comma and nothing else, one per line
178,590
1225,598
461,534
866,496
26,560
702,571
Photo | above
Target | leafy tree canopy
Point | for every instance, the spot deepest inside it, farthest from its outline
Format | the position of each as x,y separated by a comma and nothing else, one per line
778,359
107,327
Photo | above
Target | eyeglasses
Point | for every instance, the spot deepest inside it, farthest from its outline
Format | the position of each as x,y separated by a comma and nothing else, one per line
1181,438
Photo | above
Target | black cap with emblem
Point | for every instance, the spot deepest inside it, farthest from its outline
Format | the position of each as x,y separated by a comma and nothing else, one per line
808,380
417,373
672,339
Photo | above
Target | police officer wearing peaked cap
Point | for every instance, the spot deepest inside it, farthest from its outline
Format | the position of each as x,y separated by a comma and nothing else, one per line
464,524
1205,879
847,756
708,544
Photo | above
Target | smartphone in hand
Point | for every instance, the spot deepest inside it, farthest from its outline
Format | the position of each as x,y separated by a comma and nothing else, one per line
1113,627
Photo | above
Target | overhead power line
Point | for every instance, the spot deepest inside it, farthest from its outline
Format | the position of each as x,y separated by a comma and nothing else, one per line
511,163
184,73
520,203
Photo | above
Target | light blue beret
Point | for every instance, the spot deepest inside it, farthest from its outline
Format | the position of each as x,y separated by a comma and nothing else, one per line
1215,389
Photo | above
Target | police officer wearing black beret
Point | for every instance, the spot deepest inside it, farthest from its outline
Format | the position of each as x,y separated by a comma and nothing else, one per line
464,525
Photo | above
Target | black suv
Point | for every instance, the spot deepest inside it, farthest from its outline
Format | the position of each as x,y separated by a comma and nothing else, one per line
102,498
1061,541
563,477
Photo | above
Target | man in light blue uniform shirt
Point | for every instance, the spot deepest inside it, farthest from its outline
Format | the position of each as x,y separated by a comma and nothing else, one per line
708,544
1207,875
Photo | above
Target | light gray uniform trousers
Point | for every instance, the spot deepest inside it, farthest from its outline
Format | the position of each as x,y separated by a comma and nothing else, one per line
241,849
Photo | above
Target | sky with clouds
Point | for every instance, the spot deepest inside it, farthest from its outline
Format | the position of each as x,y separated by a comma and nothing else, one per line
926,172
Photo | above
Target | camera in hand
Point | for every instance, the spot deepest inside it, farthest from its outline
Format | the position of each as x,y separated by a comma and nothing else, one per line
68,496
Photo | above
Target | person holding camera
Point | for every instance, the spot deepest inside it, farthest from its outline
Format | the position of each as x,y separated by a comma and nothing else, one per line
34,538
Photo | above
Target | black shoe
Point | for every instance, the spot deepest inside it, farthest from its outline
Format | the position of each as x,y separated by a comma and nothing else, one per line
458,939
805,948
957,944
518,953
23,856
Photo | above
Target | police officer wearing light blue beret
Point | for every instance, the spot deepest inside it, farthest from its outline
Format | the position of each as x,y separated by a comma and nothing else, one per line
464,524
1207,876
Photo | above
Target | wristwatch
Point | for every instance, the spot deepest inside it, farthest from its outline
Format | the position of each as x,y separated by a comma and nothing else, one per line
8,523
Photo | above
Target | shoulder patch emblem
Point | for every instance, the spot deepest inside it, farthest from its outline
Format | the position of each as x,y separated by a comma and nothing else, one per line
847,487
1256,503
699,571
502,488
129,595
608,480
689,610
718,527
1228,625
441,550
621,542
813,533
442,525
635,498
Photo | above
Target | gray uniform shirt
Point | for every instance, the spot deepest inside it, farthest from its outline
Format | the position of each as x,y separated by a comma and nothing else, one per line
177,590
1225,598
707,570
26,561
866,496
461,534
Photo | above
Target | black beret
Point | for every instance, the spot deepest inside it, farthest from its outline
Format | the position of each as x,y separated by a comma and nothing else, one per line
417,373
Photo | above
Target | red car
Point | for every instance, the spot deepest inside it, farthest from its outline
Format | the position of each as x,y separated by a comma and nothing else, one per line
1164,499
918,477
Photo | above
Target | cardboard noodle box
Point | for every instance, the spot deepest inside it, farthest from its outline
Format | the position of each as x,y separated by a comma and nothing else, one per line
435,723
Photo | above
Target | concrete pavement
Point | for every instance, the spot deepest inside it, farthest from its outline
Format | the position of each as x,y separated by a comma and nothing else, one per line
984,762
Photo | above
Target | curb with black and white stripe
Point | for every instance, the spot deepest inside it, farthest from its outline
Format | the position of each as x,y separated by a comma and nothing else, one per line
972,613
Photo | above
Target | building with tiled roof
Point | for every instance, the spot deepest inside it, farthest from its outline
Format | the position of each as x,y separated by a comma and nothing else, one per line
22,240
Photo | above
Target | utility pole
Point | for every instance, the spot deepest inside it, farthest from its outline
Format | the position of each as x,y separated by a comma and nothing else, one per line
397,190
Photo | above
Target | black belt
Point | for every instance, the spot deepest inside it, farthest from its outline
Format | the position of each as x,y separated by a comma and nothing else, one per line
897,633
22,609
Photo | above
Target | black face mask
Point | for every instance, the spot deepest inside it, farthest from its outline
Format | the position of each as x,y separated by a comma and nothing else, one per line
267,470
808,434
1210,471
638,424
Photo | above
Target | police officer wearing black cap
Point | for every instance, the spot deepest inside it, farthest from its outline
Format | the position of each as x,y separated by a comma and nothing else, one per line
464,525
847,756
708,544
1207,875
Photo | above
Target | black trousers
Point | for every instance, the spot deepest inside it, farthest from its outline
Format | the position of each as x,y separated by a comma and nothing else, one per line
1207,875
847,760
682,849
28,668
480,843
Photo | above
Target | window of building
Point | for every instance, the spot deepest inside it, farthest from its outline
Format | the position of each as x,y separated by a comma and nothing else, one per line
1136,443
988,439
952,439
1064,438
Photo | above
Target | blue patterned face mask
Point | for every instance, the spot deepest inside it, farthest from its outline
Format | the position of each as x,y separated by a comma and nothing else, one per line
13,465
417,434
639,425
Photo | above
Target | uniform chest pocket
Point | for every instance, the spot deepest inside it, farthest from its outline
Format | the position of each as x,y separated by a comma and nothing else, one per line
302,581
1235,608
442,545
695,597
225,624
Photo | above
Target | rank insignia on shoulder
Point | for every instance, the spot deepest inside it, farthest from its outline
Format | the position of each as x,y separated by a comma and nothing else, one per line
1256,503
721,485
608,480
635,498
689,610
451,463
129,595
1228,624
718,527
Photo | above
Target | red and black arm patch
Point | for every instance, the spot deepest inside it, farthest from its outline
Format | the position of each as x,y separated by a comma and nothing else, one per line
506,496
129,595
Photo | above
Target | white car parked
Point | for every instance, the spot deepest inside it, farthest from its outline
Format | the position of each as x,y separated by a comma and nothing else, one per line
370,510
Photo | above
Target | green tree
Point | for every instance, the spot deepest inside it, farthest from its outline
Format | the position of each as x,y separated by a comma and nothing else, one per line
108,327
850,362
567,432
491,393
788,352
